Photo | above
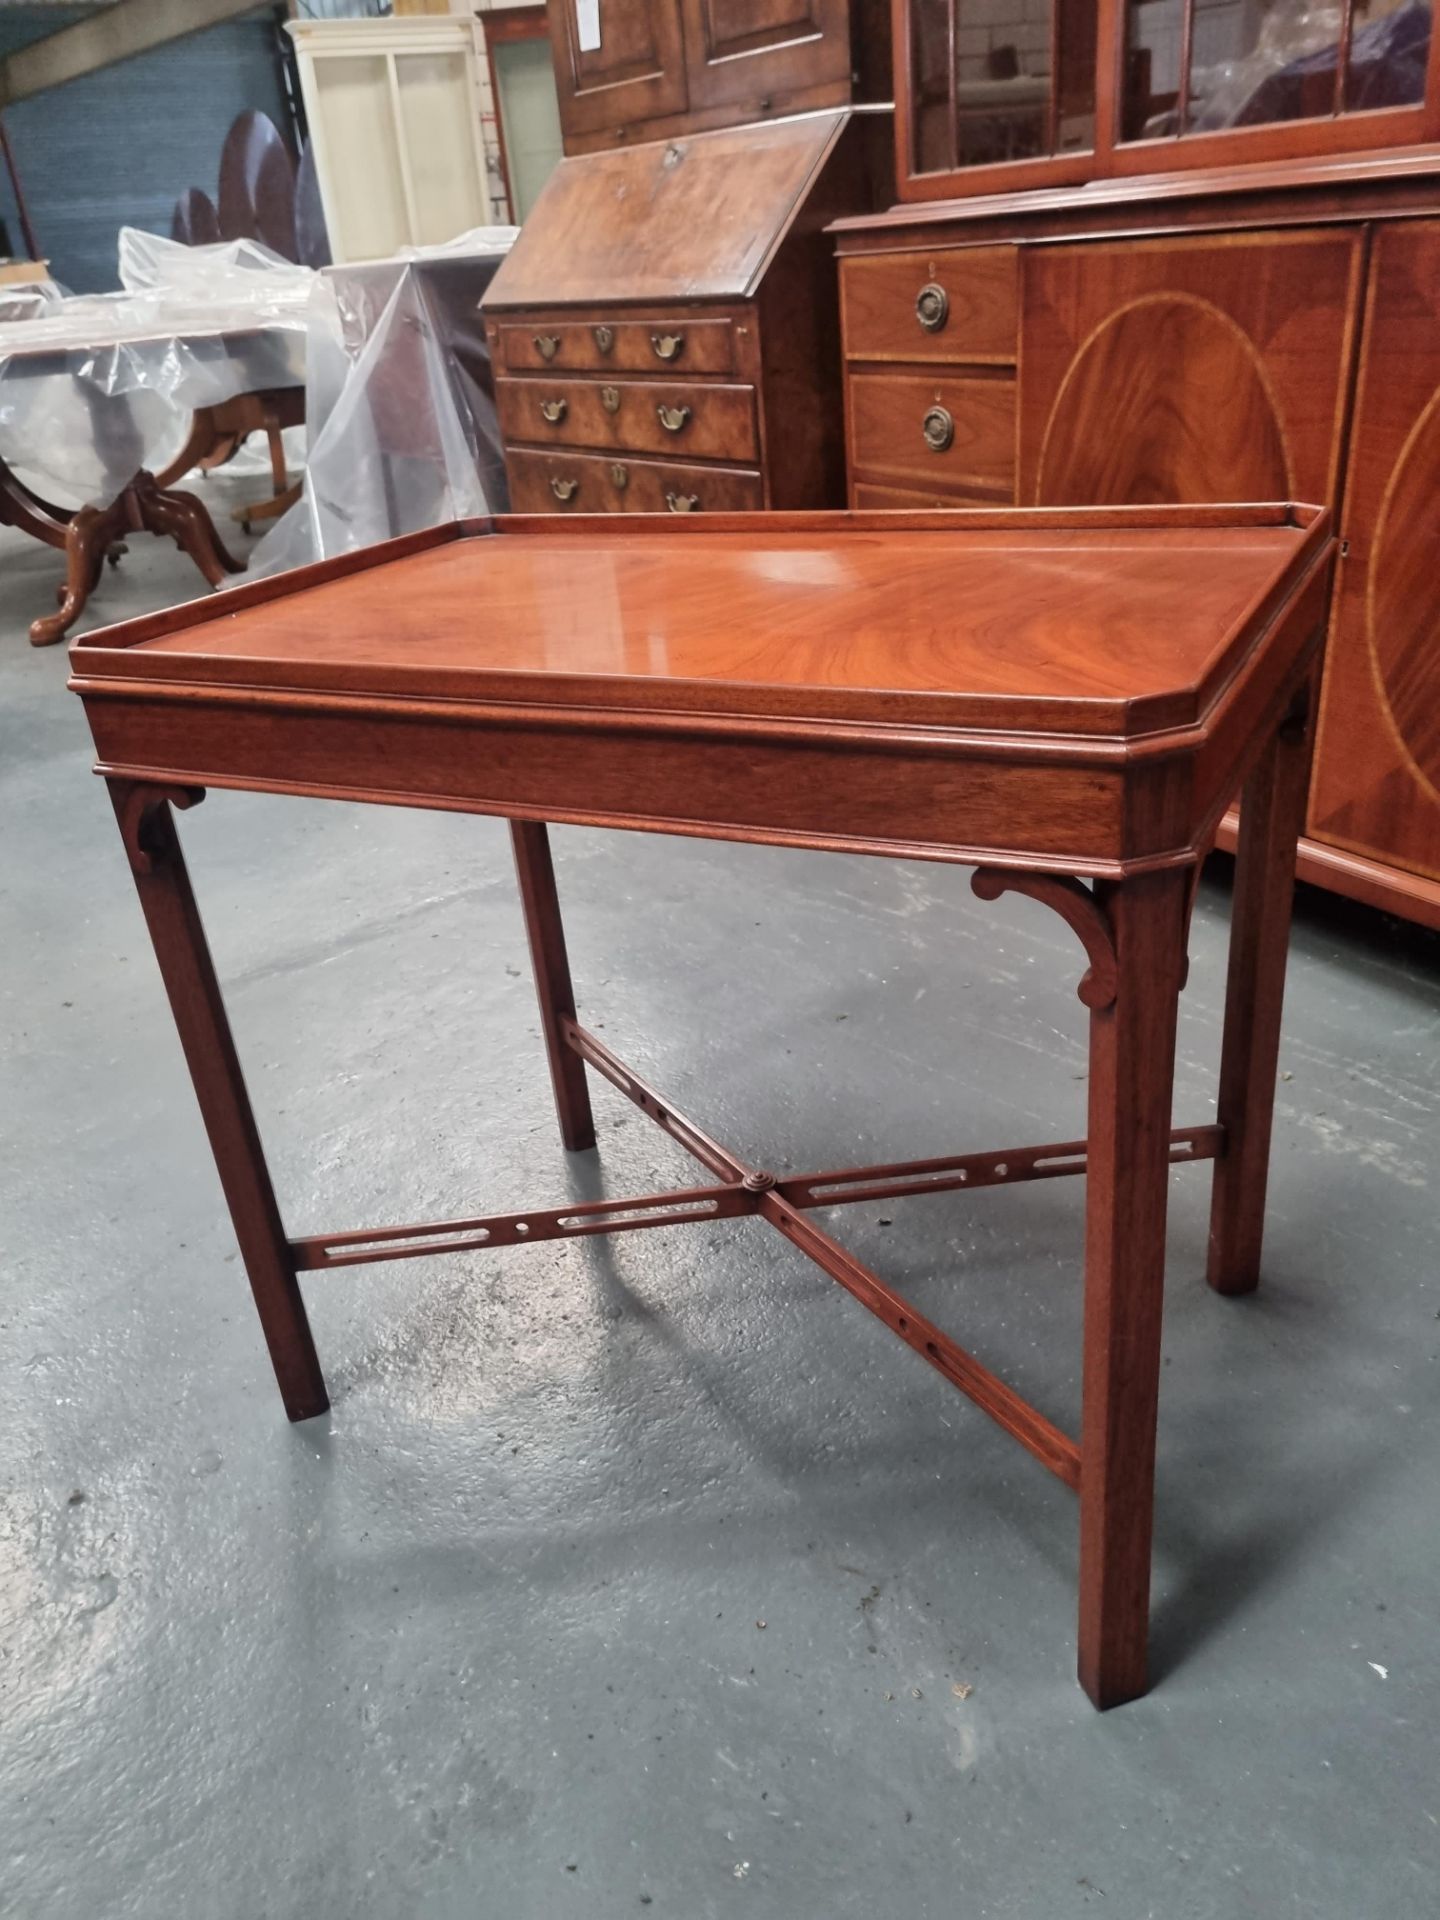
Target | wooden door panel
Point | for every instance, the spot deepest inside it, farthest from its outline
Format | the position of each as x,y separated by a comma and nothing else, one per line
761,54
636,73
1376,788
1187,370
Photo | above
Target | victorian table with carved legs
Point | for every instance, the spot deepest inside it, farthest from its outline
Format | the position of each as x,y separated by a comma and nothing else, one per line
1067,700
79,389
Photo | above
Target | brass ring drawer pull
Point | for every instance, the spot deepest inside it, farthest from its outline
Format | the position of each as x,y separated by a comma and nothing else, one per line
564,489
683,502
673,419
610,399
547,345
932,307
604,338
668,346
938,427
554,411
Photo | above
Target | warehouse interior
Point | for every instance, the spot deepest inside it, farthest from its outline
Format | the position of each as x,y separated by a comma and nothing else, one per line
920,401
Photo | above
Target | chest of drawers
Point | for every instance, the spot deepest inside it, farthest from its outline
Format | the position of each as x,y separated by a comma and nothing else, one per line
665,332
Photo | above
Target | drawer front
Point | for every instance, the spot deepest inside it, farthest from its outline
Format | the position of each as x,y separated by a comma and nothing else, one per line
677,343
592,483
645,416
958,304
936,431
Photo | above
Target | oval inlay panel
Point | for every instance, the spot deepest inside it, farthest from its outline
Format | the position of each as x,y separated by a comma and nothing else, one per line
1165,402
1404,598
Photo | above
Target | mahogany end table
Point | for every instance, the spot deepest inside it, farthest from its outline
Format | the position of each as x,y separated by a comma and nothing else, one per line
1067,700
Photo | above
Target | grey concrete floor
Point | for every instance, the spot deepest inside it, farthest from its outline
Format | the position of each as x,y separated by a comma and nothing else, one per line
488,1640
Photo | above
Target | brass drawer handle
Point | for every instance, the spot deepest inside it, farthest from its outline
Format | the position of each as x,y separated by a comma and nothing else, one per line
554,411
683,502
547,345
619,475
604,338
668,346
932,307
564,489
610,399
938,427
673,419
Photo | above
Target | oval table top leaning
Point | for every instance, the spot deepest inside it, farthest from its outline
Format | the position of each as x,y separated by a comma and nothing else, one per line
1066,699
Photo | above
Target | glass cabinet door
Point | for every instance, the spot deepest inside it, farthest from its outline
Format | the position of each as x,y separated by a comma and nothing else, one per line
993,82
995,95
1210,66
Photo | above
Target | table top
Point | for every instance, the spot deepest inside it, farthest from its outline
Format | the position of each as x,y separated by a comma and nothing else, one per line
1073,621
61,338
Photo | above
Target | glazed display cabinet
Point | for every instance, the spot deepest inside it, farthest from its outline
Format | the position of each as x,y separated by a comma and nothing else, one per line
1026,93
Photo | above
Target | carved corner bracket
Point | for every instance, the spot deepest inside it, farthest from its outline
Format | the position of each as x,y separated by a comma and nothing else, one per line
137,807
1075,903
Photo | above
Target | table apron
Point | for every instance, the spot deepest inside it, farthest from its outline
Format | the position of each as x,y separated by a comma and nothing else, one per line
831,793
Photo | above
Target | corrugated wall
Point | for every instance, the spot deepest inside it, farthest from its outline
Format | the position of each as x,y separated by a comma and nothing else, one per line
118,148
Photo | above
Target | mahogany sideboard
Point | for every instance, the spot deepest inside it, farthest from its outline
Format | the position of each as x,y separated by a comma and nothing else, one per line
1066,700
665,331
1247,333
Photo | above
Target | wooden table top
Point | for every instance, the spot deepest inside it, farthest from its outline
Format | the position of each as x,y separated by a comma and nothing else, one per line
1086,622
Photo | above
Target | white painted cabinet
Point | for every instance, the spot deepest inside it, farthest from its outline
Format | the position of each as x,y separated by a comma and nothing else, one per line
394,112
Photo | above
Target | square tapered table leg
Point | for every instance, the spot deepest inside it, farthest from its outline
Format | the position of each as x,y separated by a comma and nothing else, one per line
1132,1065
545,931
147,827
1272,818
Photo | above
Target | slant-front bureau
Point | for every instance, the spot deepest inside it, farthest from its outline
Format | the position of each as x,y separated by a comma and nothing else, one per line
664,331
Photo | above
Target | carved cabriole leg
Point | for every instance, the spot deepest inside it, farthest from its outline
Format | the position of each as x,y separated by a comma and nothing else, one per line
91,533
1132,1060
142,507
185,517
546,934
153,846
1272,816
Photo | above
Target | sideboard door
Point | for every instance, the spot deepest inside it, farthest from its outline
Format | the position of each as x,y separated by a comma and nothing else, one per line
1187,370
636,73
1377,773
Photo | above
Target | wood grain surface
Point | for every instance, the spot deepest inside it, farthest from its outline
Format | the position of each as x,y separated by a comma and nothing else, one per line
1377,769
1023,621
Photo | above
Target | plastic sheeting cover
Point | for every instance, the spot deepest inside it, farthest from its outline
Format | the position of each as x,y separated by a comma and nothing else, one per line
400,415
94,388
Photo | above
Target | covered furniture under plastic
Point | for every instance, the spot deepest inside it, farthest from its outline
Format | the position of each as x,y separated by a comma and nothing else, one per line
400,403
106,400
